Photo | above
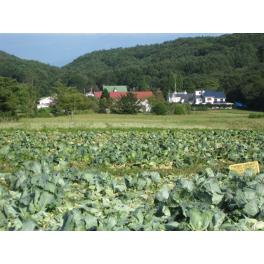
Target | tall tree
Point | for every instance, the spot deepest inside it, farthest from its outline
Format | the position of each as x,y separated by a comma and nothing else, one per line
68,100
128,104
15,98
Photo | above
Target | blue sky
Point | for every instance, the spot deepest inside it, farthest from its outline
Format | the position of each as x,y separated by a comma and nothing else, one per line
60,49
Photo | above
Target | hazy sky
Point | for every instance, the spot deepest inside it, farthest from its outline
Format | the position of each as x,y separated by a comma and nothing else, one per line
60,49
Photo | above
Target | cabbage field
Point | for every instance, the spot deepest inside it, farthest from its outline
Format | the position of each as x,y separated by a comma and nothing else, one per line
130,180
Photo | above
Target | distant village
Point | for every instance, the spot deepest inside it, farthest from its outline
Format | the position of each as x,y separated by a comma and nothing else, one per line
216,99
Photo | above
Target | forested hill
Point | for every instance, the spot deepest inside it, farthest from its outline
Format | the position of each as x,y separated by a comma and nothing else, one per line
234,63
40,75
231,62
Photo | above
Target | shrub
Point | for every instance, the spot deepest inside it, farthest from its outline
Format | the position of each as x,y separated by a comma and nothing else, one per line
92,104
104,105
128,104
199,107
44,112
160,108
180,109
8,116
256,115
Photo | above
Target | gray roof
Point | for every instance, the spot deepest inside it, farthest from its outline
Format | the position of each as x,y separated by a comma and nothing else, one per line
187,97
215,94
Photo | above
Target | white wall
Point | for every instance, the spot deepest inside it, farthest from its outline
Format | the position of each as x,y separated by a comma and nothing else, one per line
198,100
209,100
145,105
173,98
45,102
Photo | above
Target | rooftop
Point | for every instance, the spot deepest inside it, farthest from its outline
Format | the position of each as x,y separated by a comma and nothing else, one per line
215,94
117,95
118,88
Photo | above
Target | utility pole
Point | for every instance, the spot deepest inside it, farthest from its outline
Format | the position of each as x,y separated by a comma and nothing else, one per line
175,82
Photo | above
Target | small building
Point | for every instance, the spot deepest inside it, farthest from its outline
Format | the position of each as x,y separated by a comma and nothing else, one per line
199,97
214,97
115,88
180,97
90,93
45,102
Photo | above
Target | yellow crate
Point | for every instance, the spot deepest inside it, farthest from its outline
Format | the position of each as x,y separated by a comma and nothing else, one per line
240,168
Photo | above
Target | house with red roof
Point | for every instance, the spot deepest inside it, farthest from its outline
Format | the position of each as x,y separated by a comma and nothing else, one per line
143,96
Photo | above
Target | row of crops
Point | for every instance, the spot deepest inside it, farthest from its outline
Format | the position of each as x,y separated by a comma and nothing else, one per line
75,180
144,149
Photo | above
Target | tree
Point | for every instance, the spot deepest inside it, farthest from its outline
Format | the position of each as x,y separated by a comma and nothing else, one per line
16,99
27,100
160,108
68,100
197,62
144,83
105,102
105,94
75,79
128,104
260,53
105,105
8,98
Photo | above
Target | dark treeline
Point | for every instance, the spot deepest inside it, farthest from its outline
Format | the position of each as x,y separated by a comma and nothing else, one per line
234,63
38,75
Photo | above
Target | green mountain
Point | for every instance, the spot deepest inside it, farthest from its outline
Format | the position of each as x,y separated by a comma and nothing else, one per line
233,62
40,75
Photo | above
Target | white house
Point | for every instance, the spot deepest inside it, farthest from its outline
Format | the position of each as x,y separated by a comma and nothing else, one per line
142,96
45,102
213,97
180,97
199,97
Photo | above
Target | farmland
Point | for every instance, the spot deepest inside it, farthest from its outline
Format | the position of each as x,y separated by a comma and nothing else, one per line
130,179
220,119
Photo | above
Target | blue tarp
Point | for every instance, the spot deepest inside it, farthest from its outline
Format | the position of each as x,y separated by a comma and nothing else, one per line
240,105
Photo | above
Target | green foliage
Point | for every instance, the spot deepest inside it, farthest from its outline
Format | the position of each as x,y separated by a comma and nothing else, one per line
8,116
160,108
199,107
16,99
68,100
27,98
75,79
92,104
180,109
105,105
127,104
232,62
44,112
200,220
149,149
256,115
53,183
45,196
105,94
8,98
39,75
